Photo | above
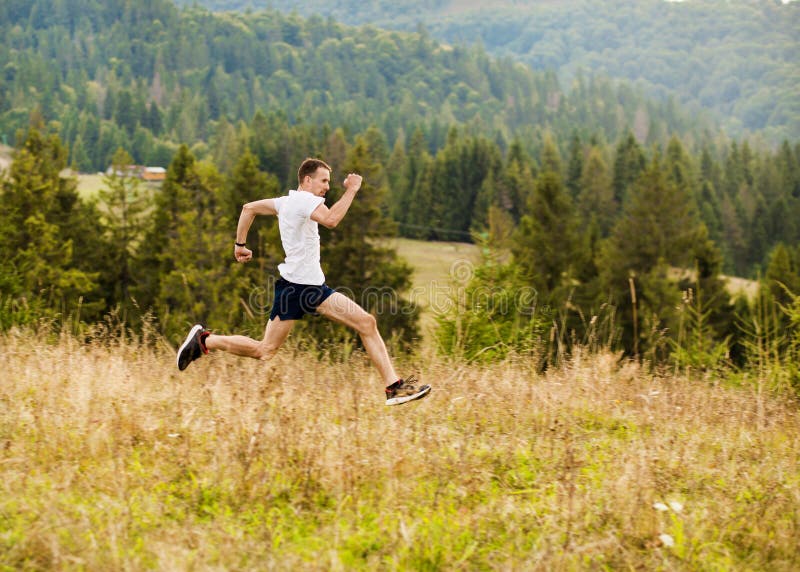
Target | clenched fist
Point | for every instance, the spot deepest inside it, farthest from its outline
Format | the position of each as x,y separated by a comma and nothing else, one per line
242,254
353,182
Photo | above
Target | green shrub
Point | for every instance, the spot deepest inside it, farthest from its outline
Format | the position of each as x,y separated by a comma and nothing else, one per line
492,311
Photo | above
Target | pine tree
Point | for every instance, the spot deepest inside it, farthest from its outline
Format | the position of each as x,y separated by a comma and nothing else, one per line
446,192
335,151
770,321
547,244
516,186
575,167
80,161
421,217
550,159
679,168
656,231
109,104
628,164
782,226
227,146
153,119
758,234
40,215
89,132
710,210
125,113
658,224
782,277
457,176
596,199
484,201
396,174
154,260
270,139
709,285
199,279
413,194
125,207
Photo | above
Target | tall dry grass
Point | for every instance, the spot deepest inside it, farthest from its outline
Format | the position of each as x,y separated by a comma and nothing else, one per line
110,459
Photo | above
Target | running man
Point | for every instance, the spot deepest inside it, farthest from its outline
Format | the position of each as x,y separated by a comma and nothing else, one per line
301,288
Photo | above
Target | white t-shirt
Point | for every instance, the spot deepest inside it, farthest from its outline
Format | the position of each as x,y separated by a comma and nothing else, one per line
300,238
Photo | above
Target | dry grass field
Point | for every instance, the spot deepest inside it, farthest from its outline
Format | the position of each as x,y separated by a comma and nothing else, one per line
110,459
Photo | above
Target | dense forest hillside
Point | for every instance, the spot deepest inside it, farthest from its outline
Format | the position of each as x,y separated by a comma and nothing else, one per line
150,76
738,58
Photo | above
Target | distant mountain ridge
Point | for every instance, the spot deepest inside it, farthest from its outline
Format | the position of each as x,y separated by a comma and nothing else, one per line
736,58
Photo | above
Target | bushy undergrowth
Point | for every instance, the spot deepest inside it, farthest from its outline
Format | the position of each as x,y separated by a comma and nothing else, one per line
112,459
491,314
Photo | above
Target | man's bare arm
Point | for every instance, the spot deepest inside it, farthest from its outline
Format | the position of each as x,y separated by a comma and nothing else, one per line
249,212
330,217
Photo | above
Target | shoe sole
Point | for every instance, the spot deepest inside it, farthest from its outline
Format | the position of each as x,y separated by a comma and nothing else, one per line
189,338
423,392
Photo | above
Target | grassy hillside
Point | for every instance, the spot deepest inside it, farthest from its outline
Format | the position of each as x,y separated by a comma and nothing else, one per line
434,264
118,461
89,185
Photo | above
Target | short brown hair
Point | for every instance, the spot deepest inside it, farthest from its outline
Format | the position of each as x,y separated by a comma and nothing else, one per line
309,167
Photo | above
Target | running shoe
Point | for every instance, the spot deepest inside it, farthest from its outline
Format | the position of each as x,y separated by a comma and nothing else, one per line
405,390
193,347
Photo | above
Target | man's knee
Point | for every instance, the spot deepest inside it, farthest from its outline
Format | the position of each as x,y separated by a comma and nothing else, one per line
266,351
367,324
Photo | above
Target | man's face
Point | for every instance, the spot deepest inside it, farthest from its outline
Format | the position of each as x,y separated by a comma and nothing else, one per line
318,183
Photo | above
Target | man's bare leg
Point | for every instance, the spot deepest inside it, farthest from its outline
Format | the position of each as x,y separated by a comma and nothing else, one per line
342,309
274,335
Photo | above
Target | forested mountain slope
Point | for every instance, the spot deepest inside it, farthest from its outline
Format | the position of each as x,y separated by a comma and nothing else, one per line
738,58
149,76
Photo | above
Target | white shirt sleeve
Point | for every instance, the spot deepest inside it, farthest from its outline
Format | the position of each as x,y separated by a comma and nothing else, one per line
309,204
277,202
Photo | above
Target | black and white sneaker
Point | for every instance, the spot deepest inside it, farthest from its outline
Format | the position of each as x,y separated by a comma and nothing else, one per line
193,347
405,390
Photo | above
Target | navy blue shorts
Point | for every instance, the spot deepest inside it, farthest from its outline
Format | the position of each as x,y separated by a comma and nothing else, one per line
293,301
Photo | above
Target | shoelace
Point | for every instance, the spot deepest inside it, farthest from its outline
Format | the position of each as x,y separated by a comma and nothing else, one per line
411,381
